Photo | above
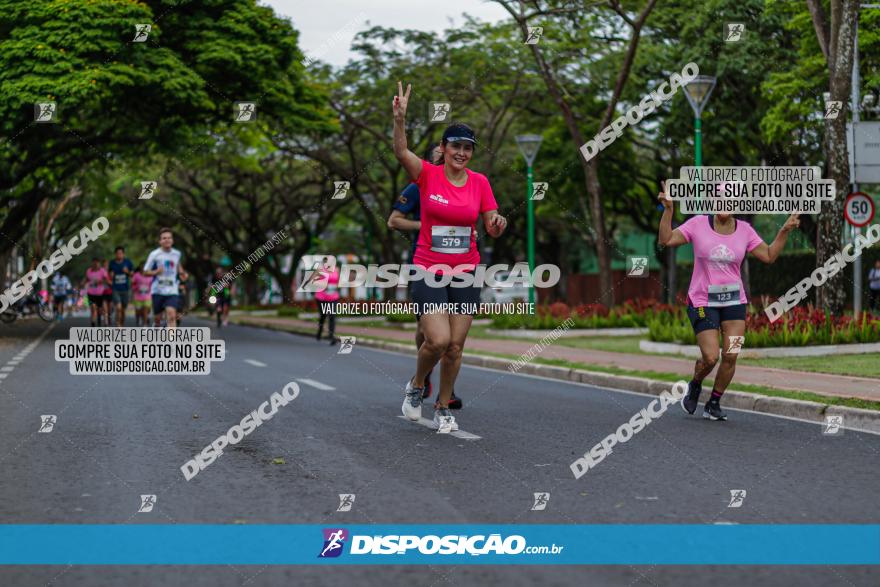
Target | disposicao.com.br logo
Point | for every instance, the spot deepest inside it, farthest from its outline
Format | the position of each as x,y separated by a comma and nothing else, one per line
390,275
431,544
334,542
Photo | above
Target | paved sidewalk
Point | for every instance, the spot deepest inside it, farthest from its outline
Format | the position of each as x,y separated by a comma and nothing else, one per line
819,383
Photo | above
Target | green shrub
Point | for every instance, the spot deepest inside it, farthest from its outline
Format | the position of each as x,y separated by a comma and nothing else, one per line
401,318
630,314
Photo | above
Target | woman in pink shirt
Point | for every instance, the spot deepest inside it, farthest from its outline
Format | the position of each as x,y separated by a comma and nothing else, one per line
716,296
451,199
140,286
108,294
327,297
97,278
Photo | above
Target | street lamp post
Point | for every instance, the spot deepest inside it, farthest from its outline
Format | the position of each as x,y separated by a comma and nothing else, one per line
697,92
856,118
371,204
311,219
528,146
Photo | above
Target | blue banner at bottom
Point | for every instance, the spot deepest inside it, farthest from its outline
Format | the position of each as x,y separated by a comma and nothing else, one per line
439,544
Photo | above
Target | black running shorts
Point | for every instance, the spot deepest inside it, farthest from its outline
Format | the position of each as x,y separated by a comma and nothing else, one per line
706,318
428,296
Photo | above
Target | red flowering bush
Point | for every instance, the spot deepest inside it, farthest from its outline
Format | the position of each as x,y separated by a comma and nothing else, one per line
801,326
557,310
632,313
589,310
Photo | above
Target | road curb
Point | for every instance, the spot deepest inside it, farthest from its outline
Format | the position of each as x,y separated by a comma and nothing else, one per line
535,334
829,350
854,418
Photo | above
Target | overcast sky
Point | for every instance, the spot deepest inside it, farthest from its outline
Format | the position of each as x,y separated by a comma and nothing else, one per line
327,27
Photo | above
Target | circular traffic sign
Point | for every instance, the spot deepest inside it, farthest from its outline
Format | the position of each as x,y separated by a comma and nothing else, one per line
858,209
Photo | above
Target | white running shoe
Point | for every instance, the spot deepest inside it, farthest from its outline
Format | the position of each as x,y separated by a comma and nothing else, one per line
412,402
444,421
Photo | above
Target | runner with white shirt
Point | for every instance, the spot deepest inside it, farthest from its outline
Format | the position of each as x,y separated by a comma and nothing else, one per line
164,263
60,285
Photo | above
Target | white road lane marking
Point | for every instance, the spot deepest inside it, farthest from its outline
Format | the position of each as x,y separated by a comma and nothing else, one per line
22,354
430,424
255,363
317,384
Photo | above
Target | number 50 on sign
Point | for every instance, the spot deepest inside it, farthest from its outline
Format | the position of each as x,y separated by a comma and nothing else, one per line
859,209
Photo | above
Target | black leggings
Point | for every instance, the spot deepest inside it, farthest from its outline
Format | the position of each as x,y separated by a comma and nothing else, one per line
324,315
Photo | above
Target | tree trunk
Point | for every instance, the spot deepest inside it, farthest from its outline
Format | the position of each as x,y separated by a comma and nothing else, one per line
832,295
5,255
250,288
837,41
591,173
597,219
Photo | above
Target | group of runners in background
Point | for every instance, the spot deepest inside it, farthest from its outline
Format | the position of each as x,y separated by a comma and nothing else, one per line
110,286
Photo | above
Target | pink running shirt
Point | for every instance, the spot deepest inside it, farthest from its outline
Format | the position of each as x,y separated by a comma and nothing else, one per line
95,278
140,285
455,208
331,294
717,257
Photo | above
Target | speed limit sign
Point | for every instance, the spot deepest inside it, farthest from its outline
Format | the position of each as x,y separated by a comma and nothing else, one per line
859,209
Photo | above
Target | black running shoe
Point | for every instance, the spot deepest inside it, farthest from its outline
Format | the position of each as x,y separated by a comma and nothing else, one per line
692,398
713,410
455,402
429,387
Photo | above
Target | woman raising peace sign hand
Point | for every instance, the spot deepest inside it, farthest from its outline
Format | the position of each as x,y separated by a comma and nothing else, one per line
451,198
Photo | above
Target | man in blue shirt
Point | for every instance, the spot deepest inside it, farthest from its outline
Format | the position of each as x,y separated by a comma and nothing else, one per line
120,269
408,203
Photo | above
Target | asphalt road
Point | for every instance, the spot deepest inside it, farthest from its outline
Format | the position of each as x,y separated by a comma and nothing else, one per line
117,437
